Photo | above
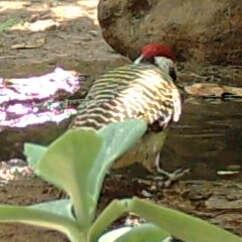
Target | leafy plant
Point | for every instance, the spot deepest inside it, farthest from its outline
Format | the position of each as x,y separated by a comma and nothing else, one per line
8,24
77,162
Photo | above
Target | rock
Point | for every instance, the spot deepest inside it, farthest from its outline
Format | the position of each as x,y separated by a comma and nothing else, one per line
213,90
12,139
205,31
190,73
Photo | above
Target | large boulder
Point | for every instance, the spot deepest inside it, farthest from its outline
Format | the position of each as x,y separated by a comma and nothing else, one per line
208,31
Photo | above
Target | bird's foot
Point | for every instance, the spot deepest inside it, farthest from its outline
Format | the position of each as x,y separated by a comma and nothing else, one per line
167,178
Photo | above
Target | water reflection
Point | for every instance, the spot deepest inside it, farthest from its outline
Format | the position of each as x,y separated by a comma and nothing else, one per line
208,139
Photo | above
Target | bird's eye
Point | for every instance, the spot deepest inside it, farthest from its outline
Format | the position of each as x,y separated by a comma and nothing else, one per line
172,73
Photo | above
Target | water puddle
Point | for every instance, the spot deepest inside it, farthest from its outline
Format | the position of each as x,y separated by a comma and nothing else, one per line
208,139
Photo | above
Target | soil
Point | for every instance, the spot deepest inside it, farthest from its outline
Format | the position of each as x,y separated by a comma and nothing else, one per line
50,33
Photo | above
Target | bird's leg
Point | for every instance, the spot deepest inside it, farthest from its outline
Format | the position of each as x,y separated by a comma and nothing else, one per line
147,153
168,177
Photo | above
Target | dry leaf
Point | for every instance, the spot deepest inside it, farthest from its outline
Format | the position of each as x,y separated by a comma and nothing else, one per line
212,89
31,45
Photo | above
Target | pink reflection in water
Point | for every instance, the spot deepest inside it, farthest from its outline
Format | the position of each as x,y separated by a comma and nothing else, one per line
31,119
25,101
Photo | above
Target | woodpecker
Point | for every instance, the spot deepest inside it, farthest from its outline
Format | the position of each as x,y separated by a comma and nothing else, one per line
142,90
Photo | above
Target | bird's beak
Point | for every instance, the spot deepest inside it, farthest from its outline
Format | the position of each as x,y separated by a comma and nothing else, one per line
139,59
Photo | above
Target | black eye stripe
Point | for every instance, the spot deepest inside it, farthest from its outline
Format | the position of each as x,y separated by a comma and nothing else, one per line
172,73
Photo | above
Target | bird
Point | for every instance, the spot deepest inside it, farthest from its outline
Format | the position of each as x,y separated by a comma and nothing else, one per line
143,90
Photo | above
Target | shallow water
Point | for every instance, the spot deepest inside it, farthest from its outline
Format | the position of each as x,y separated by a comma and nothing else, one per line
208,139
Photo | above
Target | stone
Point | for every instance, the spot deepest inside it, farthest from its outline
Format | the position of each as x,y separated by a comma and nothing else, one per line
208,31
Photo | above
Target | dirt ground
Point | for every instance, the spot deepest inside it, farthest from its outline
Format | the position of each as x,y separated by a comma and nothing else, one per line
38,35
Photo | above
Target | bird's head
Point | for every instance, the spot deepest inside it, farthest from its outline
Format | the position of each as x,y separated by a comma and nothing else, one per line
159,55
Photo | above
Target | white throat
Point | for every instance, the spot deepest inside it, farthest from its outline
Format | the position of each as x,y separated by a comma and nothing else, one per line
164,63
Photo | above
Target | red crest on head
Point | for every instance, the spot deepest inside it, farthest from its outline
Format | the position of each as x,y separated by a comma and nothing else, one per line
151,50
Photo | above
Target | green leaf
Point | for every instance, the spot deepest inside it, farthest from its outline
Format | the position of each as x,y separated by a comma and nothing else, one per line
60,207
181,225
8,24
112,212
77,162
39,217
34,153
112,236
143,233
67,164
117,138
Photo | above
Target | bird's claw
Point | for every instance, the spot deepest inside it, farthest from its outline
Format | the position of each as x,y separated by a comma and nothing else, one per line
167,178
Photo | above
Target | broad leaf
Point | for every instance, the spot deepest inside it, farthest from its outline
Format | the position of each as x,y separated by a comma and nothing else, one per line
67,164
39,217
78,163
117,138
60,207
144,233
112,212
34,153
181,225
113,235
